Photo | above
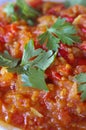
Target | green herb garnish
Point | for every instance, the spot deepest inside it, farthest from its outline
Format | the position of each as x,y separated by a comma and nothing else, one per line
74,2
35,78
9,9
60,31
81,80
7,60
23,11
27,10
32,65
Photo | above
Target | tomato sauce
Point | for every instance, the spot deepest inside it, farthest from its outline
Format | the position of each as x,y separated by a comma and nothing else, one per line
31,109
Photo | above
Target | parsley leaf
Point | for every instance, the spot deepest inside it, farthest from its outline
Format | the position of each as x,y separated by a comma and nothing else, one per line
34,69
9,9
8,61
32,65
73,2
81,79
35,77
60,31
23,11
29,52
27,10
17,69
42,58
52,41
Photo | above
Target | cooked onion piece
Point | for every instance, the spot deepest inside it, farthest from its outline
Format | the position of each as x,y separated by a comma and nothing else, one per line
5,126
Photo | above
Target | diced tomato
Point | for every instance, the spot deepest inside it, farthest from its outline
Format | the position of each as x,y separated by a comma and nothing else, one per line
80,69
17,118
65,117
63,51
2,33
68,18
38,45
83,45
10,32
34,3
56,9
83,30
53,75
12,28
1,39
81,61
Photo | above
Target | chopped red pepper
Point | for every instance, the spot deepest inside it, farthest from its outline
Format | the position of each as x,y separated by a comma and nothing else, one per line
34,3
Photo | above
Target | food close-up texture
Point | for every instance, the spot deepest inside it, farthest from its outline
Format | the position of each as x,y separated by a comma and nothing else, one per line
43,65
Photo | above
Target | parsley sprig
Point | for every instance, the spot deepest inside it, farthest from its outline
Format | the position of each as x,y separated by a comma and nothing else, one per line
10,11
27,10
74,2
6,60
81,80
60,31
24,11
32,66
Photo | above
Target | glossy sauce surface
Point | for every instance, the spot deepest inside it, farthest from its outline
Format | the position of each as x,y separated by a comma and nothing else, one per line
30,109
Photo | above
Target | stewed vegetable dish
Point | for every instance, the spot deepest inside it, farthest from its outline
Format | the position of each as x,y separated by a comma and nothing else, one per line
43,65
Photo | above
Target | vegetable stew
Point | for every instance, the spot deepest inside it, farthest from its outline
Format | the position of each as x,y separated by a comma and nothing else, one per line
43,65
